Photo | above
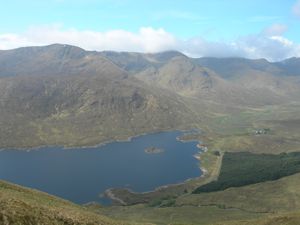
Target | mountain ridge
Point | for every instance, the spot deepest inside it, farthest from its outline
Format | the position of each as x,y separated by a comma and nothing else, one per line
64,95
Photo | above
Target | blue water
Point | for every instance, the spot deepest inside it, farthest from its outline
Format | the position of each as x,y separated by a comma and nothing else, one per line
80,175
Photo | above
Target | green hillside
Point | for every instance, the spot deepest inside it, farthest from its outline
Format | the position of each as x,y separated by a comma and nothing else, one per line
22,206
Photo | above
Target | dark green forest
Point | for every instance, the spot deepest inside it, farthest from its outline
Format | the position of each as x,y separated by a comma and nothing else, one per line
244,168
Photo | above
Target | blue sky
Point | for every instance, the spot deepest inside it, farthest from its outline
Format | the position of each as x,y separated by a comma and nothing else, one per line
196,27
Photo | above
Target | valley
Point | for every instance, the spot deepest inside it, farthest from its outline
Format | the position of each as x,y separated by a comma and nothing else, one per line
61,95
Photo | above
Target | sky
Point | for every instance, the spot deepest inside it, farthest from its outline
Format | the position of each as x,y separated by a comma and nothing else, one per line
219,28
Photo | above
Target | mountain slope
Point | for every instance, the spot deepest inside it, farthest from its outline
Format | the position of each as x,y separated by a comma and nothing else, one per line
83,111
85,101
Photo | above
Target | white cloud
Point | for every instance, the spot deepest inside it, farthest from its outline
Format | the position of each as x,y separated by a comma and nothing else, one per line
275,30
146,39
296,8
9,41
269,44
273,48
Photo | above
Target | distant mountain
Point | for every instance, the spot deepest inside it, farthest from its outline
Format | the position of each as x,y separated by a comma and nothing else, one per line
291,67
64,95
230,81
137,62
233,80
230,68
280,79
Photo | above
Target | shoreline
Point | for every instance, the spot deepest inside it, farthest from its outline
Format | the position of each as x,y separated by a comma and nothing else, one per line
156,189
202,169
100,144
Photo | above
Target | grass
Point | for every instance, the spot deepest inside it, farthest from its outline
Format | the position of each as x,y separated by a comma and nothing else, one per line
175,215
22,206
286,219
272,197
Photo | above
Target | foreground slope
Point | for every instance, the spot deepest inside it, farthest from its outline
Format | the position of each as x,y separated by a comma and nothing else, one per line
24,206
286,219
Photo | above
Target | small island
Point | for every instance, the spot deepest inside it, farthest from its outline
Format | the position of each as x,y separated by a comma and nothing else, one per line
153,150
